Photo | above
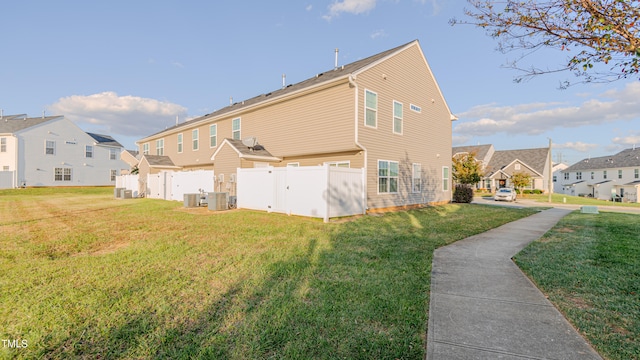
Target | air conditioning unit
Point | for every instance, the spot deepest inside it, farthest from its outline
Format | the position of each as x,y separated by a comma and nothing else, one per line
218,201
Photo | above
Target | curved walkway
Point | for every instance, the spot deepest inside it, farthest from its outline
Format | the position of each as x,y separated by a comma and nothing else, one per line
483,307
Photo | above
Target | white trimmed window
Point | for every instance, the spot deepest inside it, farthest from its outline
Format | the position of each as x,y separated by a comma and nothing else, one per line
579,175
5,168
636,173
113,153
213,135
50,147
566,176
180,142
235,129
114,173
194,139
145,149
416,178
604,174
397,118
3,144
387,176
619,174
593,175
88,151
445,178
160,147
62,174
342,164
370,108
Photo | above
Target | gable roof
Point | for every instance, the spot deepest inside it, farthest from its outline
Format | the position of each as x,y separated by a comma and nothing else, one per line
481,151
257,153
625,158
105,140
10,124
342,72
158,161
533,158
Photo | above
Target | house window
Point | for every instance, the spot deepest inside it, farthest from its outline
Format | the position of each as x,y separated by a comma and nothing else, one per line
213,135
387,176
593,175
636,173
416,178
235,129
114,173
619,174
566,176
145,149
555,178
579,175
180,143
50,147
293,164
113,153
445,178
88,151
194,138
5,168
342,164
371,108
604,174
3,144
397,117
62,174
160,147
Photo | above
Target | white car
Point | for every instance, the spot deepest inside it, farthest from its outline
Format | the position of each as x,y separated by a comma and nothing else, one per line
505,194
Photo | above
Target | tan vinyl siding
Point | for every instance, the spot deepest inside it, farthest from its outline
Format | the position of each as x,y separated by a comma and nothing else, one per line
425,138
355,159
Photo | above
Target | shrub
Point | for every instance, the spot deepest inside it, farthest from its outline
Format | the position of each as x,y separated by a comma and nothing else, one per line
462,194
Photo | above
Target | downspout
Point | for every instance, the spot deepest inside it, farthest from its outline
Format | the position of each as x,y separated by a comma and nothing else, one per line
352,82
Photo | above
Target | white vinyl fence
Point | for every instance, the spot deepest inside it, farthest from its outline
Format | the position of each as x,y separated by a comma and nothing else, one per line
172,185
168,185
315,191
6,180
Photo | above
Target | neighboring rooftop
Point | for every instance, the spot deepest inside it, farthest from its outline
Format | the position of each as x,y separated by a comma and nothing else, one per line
105,140
480,151
10,124
625,158
535,158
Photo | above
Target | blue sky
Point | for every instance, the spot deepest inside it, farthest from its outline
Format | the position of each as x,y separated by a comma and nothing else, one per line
128,68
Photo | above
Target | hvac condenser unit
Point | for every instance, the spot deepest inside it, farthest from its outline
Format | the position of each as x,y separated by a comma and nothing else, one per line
218,201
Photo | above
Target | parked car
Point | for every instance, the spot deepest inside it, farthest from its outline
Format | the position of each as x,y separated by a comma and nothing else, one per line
505,194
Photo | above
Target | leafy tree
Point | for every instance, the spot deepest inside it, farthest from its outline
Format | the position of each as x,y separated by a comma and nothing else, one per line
466,169
520,180
602,37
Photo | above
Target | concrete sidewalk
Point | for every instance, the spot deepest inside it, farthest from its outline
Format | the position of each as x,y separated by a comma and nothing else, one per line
483,307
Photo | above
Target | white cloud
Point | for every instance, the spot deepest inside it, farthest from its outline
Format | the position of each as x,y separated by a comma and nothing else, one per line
378,33
118,115
577,146
177,64
309,7
538,118
627,141
355,7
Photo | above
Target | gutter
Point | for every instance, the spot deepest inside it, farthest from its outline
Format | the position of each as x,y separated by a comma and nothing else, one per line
352,82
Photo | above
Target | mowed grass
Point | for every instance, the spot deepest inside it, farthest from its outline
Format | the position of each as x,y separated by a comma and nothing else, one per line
88,276
589,266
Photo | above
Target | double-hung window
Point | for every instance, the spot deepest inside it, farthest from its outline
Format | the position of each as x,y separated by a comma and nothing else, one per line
604,174
416,178
3,144
387,176
180,142
50,147
113,153
619,174
370,108
62,174
160,147
235,129
636,173
579,175
566,176
145,149
445,178
213,135
397,118
194,139
113,174
88,151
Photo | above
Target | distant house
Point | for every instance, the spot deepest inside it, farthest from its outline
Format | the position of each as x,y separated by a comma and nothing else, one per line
53,151
557,175
500,165
384,113
613,177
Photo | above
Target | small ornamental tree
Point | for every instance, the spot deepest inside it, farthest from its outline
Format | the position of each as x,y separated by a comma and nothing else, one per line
466,171
520,180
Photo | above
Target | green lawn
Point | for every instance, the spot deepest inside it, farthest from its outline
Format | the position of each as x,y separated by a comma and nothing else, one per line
589,266
88,276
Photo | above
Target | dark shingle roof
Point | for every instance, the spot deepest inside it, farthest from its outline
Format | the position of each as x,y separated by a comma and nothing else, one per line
342,71
625,158
10,124
159,160
535,158
104,140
